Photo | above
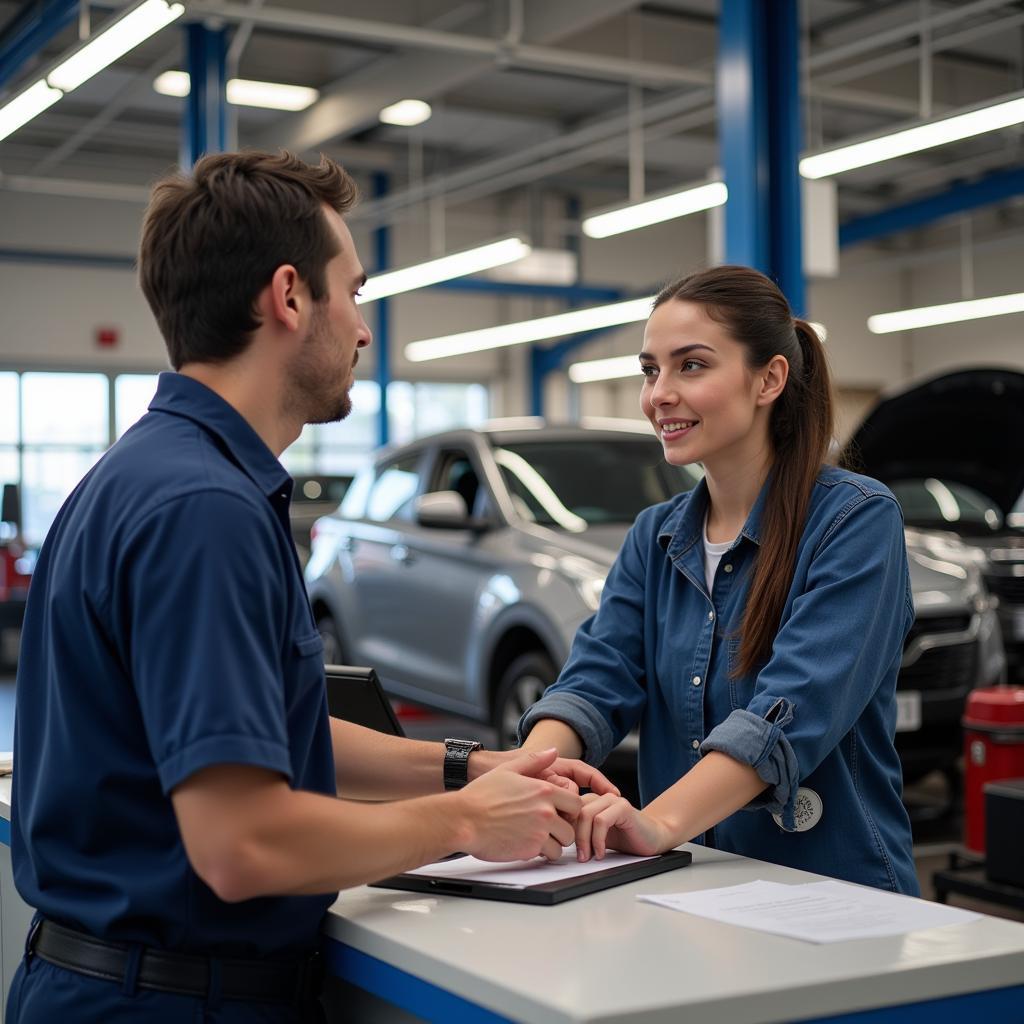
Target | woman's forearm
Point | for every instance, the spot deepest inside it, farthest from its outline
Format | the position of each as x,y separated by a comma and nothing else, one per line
714,788
549,732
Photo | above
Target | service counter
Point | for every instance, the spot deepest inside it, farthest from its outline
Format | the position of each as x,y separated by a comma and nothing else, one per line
400,957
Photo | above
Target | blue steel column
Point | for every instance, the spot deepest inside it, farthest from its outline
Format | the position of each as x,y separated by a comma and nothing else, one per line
382,339
28,31
205,124
760,138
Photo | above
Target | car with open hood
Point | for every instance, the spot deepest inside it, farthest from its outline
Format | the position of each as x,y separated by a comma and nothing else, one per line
461,565
950,450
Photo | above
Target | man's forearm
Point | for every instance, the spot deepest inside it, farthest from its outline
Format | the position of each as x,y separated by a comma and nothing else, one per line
370,765
310,844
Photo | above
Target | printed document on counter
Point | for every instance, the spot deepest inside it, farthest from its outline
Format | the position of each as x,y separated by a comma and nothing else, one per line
814,912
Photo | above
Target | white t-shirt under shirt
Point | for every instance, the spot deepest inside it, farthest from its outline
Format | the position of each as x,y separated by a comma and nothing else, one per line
713,555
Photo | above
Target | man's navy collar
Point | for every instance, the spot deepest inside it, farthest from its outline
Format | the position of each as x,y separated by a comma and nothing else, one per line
185,396
684,526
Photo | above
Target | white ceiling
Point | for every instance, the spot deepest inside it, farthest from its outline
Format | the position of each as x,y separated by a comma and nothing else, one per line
501,125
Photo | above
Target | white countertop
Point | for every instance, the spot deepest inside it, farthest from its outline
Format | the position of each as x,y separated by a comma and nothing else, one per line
609,958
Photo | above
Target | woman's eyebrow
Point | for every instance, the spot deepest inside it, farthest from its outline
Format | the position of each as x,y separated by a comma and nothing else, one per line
676,352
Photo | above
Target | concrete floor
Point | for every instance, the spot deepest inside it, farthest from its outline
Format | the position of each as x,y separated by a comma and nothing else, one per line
934,839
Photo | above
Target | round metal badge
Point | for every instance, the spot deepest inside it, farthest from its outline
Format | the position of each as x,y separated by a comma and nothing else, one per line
807,812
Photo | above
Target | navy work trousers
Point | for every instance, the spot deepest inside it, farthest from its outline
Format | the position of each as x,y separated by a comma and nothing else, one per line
43,993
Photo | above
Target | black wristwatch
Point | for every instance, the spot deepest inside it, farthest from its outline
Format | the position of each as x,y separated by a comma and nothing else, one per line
456,762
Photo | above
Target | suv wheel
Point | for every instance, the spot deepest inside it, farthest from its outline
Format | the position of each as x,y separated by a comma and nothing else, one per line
328,630
523,683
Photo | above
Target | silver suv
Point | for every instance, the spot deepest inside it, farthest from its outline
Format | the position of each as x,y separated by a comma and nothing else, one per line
461,566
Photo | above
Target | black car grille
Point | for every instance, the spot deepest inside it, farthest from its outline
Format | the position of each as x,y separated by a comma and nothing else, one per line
1006,588
939,624
941,668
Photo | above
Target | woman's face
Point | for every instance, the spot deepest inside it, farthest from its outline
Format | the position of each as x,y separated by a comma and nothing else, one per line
701,398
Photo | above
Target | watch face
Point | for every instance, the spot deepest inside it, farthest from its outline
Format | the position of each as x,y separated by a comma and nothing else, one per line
467,745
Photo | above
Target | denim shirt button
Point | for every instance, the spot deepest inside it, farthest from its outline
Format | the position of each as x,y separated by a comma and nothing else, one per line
696,680
695,744
711,616
727,568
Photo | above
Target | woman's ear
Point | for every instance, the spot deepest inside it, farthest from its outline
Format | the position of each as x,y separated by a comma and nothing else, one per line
772,379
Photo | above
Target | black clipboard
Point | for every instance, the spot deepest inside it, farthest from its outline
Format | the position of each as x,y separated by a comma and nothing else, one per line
545,894
355,695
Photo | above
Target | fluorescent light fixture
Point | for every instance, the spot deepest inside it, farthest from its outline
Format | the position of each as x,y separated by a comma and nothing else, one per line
627,366
556,326
107,46
458,264
948,313
243,92
173,83
28,104
406,113
911,140
653,211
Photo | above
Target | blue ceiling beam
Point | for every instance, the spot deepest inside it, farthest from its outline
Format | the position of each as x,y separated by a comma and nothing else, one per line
204,126
29,31
993,188
758,97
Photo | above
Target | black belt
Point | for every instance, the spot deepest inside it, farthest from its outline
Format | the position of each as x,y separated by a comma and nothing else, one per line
264,981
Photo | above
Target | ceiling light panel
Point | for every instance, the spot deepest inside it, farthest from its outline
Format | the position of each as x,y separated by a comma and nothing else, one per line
406,113
557,326
654,211
947,313
32,102
114,42
446,268
912,140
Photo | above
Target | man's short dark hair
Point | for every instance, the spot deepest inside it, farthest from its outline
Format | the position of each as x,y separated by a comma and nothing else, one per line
212,240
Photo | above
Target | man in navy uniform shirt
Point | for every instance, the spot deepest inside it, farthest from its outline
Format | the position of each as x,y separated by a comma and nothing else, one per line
175,812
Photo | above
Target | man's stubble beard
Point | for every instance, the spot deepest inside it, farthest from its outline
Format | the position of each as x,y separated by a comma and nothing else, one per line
307,392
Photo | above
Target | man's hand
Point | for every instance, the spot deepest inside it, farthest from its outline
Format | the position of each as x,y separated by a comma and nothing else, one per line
566,772
613,823
513,813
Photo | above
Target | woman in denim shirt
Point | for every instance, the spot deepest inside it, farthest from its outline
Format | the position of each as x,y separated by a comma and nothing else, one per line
752,628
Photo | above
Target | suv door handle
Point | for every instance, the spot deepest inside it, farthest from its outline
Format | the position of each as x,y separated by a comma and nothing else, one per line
400,553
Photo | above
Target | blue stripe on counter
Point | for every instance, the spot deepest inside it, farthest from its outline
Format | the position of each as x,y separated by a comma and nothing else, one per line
412,994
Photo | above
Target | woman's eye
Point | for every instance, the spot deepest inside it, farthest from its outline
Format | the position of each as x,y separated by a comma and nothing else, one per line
648,371
692,364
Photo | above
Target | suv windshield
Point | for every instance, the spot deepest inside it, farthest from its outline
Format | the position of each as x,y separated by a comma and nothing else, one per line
575,484
944,504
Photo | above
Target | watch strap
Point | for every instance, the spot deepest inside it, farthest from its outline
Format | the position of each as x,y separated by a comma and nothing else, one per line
456,761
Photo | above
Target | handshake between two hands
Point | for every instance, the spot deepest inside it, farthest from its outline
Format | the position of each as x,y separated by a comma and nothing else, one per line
527,804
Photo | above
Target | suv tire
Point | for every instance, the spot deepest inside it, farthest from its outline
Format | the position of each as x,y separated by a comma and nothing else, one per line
334,654
521,685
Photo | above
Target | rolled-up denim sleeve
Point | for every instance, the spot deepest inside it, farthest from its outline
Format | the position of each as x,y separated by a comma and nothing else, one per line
601,691
842,635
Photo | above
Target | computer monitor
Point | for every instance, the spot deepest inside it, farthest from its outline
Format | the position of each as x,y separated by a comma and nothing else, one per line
355,695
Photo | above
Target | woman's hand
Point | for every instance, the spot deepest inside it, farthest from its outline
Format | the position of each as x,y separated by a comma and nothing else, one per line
611,822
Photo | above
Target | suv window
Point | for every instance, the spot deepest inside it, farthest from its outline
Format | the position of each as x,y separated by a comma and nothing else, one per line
394,489
455,472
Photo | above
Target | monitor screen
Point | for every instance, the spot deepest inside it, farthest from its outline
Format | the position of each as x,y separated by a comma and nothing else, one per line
355,695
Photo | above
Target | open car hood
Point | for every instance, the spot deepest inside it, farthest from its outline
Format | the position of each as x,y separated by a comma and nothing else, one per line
965,427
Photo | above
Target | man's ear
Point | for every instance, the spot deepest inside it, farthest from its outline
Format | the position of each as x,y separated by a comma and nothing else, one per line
284,299
772,380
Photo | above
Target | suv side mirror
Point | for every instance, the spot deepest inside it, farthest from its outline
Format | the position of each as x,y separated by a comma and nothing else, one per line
11,509
444,510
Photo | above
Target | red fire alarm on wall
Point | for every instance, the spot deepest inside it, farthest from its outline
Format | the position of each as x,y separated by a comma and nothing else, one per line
107,337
